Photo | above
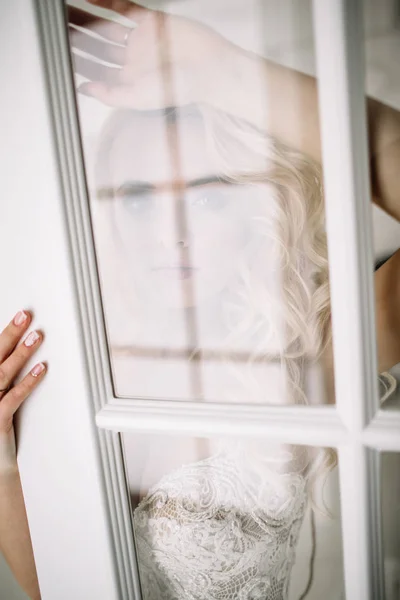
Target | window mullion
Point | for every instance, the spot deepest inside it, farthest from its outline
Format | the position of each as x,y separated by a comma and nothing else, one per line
361,525
340,68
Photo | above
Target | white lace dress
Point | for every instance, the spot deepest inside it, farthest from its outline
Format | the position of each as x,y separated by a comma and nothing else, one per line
219,529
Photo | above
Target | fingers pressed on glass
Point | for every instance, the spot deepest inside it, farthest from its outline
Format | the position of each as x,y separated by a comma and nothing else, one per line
95,71
114,32
99,48
11,335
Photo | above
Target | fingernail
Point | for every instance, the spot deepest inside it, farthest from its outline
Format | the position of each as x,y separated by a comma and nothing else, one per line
39,368
20,317
32,338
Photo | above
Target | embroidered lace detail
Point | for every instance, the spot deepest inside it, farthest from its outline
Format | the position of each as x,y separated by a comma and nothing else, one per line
219,529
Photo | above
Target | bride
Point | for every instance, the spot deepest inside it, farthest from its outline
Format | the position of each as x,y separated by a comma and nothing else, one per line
232,306
209,228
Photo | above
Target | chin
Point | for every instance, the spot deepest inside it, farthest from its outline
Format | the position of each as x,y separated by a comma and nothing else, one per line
179,301
163,303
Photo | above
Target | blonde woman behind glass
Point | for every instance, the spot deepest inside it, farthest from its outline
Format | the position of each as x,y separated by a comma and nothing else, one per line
243,279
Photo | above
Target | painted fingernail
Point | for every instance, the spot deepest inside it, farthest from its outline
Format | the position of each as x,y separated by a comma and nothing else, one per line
32,338
37,369
20,317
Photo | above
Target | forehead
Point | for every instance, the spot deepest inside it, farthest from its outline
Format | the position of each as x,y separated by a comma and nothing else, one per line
152,149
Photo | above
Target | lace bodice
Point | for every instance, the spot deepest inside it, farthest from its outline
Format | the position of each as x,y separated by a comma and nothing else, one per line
224,528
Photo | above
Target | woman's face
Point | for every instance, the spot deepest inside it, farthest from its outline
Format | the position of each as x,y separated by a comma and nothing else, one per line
182,230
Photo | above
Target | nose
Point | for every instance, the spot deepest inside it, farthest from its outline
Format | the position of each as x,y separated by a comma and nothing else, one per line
171,227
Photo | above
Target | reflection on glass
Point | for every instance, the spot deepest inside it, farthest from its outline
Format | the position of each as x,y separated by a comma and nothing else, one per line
207,204
232,518
390,495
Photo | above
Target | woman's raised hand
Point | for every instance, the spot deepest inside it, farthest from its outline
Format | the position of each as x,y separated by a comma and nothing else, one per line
165,60
13,358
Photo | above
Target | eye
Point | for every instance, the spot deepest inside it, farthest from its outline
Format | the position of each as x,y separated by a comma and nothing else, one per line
137,203
213,200
203,201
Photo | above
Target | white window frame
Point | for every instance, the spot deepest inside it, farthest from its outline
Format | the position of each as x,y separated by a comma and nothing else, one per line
356,426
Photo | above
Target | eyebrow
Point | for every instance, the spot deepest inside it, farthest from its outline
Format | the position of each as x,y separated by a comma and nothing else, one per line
140,187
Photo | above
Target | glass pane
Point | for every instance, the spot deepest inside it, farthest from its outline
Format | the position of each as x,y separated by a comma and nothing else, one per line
205,182
382,47
232,518
390,490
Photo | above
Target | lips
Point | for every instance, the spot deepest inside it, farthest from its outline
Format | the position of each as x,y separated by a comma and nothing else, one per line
174,265
177,271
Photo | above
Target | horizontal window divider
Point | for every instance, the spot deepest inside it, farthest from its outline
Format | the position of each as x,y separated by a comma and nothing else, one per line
291,424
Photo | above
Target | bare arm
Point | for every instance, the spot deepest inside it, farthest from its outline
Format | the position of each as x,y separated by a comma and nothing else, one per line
15,541
387,294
